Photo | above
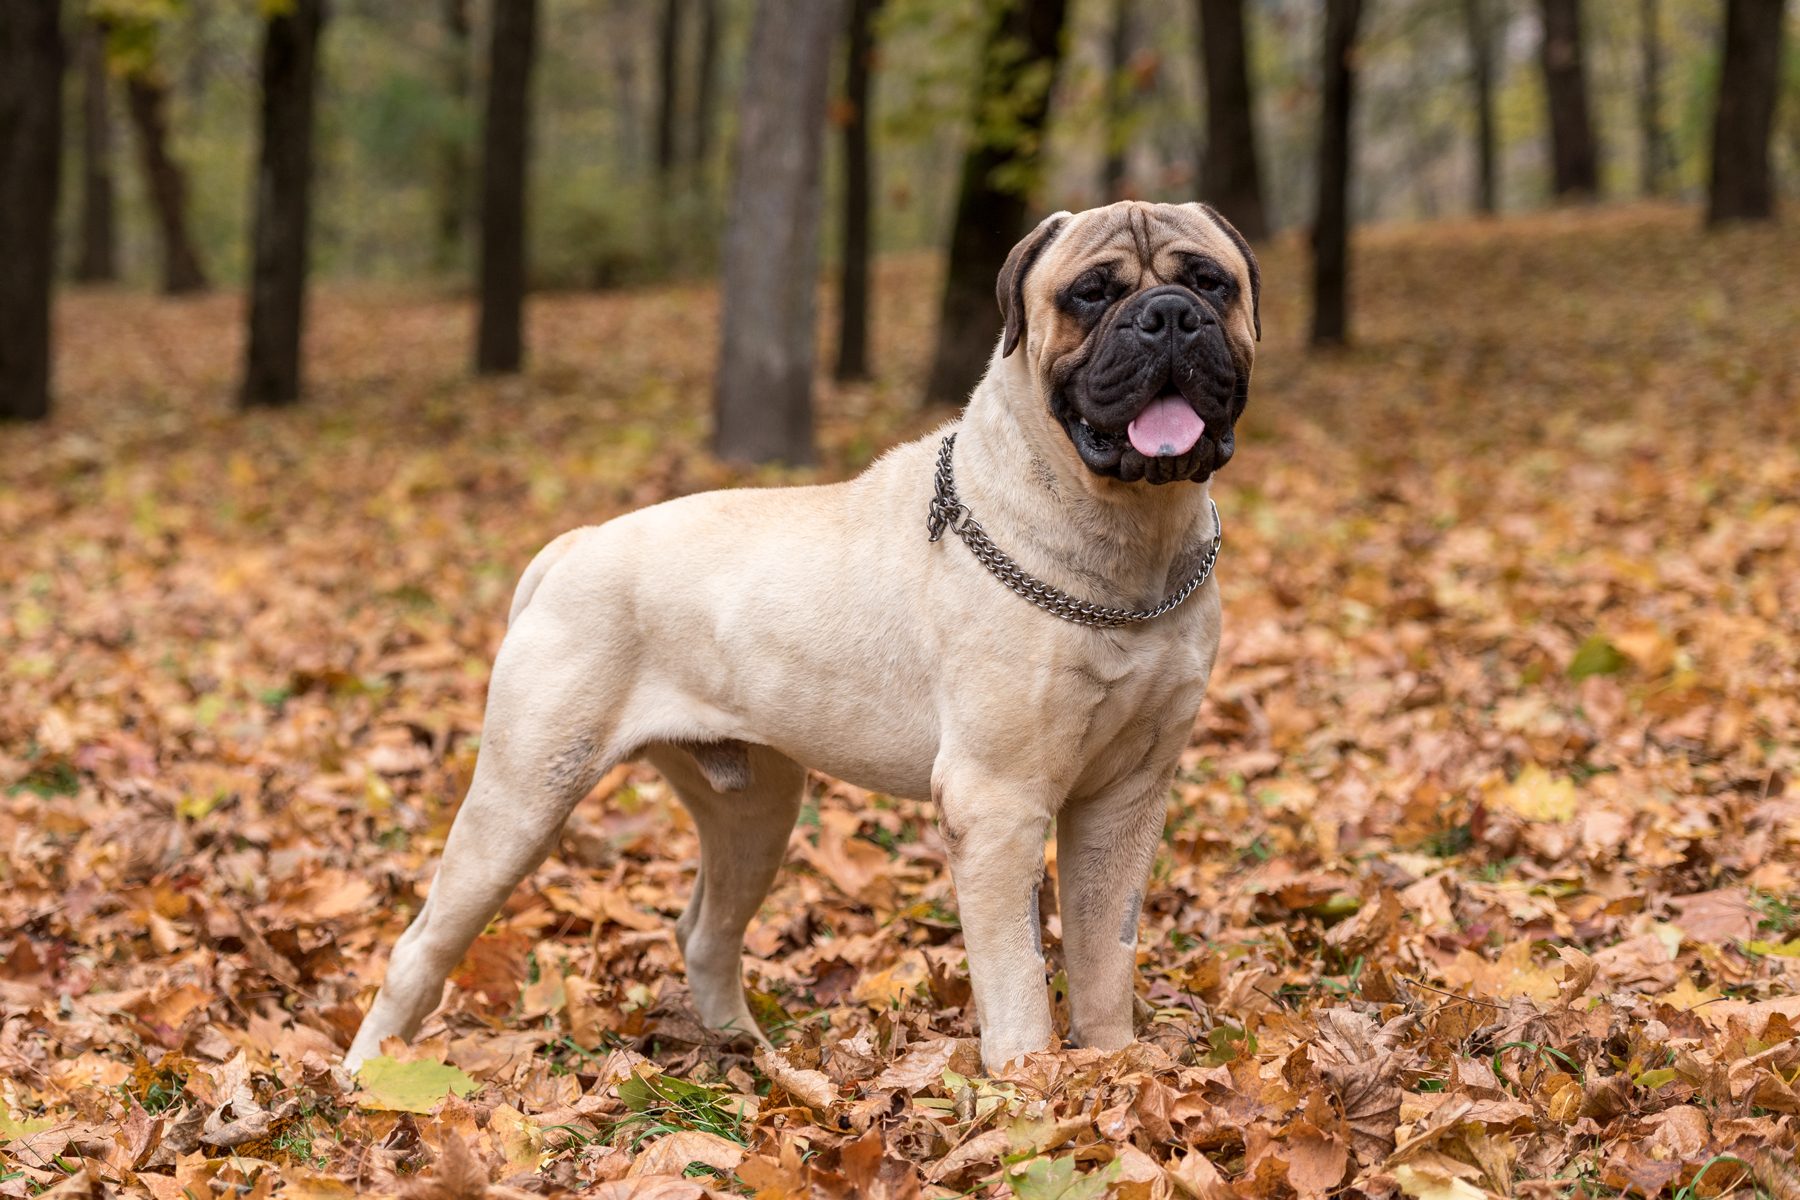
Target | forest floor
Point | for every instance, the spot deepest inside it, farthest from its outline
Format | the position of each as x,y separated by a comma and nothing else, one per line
1480,877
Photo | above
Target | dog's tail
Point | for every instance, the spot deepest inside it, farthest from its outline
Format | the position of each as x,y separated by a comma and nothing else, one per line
534,574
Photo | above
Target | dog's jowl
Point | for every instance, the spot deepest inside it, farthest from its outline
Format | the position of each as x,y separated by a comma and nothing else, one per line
1015,616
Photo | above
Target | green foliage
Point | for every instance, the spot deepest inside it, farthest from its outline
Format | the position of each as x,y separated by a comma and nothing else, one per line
135,30
1058,1179
1597,656
664,1104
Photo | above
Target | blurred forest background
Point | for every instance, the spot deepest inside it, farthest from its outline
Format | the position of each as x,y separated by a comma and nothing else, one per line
595,144
1481,874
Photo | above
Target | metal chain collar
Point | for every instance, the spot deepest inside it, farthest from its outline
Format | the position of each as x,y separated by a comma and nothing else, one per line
948,512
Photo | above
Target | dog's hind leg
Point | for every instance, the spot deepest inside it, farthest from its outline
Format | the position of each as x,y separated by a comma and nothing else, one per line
743,835
543,747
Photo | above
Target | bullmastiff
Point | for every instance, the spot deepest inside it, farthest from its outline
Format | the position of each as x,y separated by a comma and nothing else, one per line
1015,616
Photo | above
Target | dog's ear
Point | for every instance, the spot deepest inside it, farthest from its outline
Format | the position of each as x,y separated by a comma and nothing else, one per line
1009,289
1243,245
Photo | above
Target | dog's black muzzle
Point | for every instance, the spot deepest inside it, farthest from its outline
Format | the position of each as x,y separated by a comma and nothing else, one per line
1164,341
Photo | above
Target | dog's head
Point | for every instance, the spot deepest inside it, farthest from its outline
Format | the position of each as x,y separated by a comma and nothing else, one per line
1138,324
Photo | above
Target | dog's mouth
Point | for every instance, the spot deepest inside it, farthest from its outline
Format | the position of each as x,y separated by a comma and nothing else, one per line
1167,440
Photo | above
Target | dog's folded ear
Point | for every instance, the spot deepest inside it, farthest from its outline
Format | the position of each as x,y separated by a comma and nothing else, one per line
1243,245
1009,289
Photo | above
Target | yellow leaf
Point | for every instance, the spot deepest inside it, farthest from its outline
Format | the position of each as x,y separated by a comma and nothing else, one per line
13,1127
1537,795
1423,1183
415,1087
518,1137
1789,949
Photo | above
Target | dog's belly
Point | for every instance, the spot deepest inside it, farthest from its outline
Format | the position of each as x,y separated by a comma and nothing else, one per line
859,714
777,626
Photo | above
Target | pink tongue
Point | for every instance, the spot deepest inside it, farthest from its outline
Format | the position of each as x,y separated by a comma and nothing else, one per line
1167,429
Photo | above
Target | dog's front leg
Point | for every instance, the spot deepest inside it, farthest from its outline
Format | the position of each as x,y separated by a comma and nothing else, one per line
1104,848
995,836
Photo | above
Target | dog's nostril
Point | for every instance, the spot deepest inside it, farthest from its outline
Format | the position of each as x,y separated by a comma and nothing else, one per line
1171,316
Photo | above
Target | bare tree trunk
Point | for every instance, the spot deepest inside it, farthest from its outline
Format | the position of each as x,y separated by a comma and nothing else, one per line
1743,187
454,170
624,64
668,86
147,100
1118,103
99,258
281,223
500,342
853,292
1229,177
1481,75
1018,67
1575,158
1657,157
762,401
1331,231
706,86
31,69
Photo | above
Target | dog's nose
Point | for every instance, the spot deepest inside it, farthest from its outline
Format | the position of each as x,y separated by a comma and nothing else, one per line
1171,315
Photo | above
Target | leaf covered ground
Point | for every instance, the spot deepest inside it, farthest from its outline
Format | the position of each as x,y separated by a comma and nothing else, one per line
1479,879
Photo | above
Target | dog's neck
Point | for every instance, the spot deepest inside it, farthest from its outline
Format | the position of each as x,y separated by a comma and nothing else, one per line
1114,543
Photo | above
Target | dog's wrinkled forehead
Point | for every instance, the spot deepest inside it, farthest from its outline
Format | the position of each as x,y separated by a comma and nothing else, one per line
1144,244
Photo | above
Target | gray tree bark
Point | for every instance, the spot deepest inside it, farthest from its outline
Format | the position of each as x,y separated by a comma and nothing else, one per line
853,285
1331,231
706,84
1657,157
147,100
98,261
1230,179
31,68
762,401
1574,154
1743,186
453,166
990,216
506,144
668,86
282,223
1481,78
1118,102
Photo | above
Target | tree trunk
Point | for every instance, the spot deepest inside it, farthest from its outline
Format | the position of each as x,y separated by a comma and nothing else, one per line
763,394
1331,232
1575,159
853,292
1657,158
1749,81
31,69
668,86
281,221
624,65
1118,103
1018,68
453,146
500,343
147,99
1481,75
706,85
99,258
1229,177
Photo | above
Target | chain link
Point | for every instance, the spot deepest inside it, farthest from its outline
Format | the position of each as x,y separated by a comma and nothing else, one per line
948,512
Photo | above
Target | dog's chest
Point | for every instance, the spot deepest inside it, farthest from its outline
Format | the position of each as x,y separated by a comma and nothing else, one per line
1128,703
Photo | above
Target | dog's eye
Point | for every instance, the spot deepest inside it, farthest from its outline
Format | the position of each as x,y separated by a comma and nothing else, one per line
1089,289
1212,285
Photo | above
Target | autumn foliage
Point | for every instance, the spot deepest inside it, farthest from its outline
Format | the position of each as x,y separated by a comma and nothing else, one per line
1479,878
